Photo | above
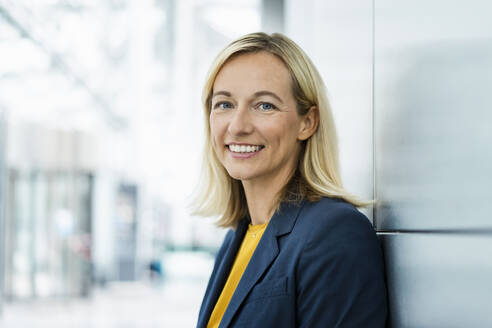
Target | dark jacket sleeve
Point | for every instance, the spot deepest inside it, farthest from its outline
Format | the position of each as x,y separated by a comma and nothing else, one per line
341,274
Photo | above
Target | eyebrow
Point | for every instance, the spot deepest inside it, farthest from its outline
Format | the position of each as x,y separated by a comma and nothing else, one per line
267,93
221,93
256,94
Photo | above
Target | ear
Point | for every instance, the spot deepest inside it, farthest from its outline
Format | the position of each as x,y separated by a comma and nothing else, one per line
309,123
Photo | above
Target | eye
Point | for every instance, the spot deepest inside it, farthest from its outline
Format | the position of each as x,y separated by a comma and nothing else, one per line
266,107
223,105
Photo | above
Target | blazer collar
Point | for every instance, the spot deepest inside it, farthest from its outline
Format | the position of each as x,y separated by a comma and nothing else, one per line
222,273
267,250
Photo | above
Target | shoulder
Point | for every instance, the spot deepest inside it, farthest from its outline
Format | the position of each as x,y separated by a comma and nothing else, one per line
332,220
340,271
336,233
225,243
333,213
229,238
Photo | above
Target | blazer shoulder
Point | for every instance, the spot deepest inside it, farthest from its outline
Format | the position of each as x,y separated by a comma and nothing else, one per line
335,219
225,243
340,270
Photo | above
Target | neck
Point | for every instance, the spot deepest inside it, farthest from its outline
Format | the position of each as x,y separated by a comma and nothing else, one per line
262,197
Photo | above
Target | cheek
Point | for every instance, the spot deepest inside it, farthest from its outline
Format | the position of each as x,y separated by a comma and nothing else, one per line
286,138
213,126
283,136
215,130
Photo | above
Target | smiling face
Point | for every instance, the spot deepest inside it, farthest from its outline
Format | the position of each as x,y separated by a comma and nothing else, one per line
255,129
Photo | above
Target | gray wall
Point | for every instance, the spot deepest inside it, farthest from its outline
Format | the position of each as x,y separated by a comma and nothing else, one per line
433,128
422,71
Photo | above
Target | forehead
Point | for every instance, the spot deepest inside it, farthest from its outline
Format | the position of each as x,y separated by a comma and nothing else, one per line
254,71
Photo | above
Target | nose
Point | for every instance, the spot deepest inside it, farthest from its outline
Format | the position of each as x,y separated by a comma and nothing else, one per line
240,122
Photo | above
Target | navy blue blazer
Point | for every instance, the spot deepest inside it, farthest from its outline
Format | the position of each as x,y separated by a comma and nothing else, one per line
317,265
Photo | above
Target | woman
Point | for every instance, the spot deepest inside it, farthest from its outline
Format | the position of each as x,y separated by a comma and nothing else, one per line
299,253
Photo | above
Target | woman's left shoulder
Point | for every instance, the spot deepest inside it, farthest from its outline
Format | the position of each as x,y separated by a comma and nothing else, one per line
335,217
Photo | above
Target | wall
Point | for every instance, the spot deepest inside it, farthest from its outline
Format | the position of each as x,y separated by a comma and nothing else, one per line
409,84
433,71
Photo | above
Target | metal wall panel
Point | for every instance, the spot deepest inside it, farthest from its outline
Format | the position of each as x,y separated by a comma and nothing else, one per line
432,125
433,75
439,280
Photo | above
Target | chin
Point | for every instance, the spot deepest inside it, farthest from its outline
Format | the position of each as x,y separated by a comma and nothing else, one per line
240,175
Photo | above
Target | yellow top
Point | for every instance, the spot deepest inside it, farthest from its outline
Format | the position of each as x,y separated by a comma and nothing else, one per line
248,246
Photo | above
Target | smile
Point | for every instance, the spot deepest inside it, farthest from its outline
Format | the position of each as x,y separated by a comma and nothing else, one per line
244,148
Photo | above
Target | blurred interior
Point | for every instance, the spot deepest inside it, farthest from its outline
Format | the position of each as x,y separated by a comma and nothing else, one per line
101,137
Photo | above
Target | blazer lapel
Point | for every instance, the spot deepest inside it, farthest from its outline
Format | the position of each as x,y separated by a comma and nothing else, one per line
222,273
267,250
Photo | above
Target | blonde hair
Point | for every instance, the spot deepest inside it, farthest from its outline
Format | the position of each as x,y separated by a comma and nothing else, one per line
317,174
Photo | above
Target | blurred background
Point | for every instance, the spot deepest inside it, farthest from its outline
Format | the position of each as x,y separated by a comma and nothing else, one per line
101,134
101,131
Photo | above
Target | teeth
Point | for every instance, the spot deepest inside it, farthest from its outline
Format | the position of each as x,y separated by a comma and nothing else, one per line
244,148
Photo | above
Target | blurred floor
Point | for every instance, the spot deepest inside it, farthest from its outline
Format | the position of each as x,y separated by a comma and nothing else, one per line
119,305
